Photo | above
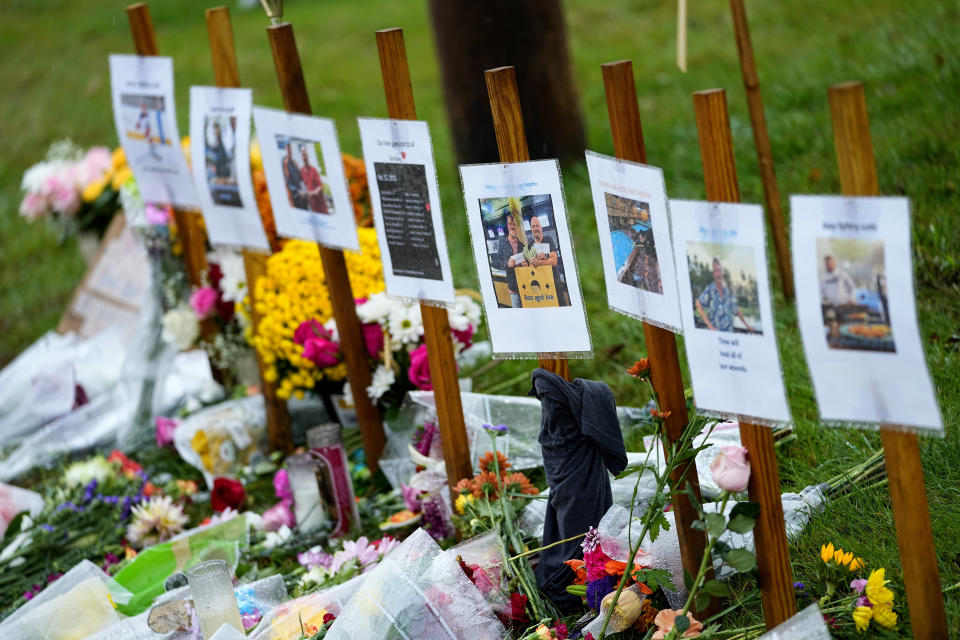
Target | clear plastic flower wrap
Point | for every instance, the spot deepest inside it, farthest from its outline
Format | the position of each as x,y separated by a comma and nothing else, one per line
485,557
283,621
806,625
77,605
625,613
418,591
221,439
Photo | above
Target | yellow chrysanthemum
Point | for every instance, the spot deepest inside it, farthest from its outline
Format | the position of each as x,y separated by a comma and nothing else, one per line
826,552
875,589
462,501
93,190
856,564
861,617
885,616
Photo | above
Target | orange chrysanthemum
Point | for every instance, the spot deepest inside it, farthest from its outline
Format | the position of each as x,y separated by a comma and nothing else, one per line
485,463
519,482
464,486
485,484
579,567
640,368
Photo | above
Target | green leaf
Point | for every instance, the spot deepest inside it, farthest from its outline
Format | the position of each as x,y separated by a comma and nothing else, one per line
741,523
632,469
716,523
701,601
749,509
699,525
741,560
687,580
13,528
716,588
682,623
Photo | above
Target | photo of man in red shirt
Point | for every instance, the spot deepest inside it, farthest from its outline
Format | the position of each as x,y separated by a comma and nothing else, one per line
312,185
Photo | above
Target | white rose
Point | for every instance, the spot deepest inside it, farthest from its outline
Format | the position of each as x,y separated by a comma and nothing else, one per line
180,328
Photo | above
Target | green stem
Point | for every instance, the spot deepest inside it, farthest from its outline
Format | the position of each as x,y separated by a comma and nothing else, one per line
538,549
705,561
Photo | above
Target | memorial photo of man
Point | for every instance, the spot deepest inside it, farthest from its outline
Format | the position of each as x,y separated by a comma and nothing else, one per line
293,180
509,246
312,184
717,304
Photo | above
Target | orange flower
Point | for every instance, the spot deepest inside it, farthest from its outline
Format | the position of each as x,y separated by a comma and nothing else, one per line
640,368
579,567
647,613
464,486
519,482
485,463
660,414
485,483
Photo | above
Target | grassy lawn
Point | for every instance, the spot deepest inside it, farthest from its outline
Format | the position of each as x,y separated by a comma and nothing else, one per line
54,82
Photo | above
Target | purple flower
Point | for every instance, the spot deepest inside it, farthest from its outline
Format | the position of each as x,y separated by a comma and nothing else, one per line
46,527
423,439
315,557
411,497
433,520
127,505
89,489
281,487
597,589
498,430
69,505
858,585
591,541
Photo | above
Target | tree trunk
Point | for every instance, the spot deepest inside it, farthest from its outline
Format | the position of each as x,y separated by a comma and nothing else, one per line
475,35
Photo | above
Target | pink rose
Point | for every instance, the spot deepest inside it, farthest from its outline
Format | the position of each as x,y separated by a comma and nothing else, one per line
156,216
97,160
373,338
464,337
278,515
309,329
34,205
66,198
321,352
730,469
281,487
419,372
202,301
165,429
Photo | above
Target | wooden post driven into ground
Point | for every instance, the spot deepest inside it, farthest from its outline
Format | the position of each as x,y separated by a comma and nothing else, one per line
773,556
295,99
761,139
665,374
436,325
512,143
908,494
226,73
193,238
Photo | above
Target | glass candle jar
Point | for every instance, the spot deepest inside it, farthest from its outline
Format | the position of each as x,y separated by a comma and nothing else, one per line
302,471
211,584
326,446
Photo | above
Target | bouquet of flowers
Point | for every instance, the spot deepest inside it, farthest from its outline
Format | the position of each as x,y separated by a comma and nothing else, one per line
76,189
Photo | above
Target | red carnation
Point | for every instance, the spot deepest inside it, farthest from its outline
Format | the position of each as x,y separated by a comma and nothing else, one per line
227,492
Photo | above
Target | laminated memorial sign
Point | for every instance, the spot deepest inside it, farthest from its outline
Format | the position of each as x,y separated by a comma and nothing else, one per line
304,170
528,275
630,202
406,208
857,315
220,152
725,305
146,120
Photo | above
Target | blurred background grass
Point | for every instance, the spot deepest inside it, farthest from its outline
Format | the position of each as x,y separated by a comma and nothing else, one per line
55,83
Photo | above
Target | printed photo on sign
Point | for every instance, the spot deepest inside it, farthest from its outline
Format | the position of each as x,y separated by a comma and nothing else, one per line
523,252
630,204
220,137
853,274
305,178
406,208
853,292
723,278
146,121
726,309
220,127
521,243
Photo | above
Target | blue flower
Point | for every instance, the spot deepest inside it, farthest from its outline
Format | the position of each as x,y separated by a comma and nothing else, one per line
499,430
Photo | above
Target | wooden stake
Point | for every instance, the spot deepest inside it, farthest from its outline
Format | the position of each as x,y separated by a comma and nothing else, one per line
436,324
226,73
512,144
770,535
761,139
665,373
908,494
193,238
290,75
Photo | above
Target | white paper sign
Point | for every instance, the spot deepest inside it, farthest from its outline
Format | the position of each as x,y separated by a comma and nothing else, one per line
146,120
406,208
533,306
220,154
304,170
857,314
630,202
727,316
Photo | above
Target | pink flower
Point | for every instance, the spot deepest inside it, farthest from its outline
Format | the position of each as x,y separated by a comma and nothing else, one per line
309,329
202,301
367,555
411,497
277,516
65,198
97,160
373,338
419,372
730,469
665,623
156,216
386,544
281,487
165,429
464,337
321,352
34,205
859,585
315,557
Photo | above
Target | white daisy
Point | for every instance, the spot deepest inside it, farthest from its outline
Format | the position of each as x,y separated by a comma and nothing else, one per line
155,521
383,379
377,308
405,324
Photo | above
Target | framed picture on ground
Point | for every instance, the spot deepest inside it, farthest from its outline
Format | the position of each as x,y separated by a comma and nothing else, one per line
858,319
220,153
524,255
405,200
305,178
146,121
630,202
728,324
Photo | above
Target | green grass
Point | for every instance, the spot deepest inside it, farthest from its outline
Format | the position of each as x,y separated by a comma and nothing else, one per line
54,83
